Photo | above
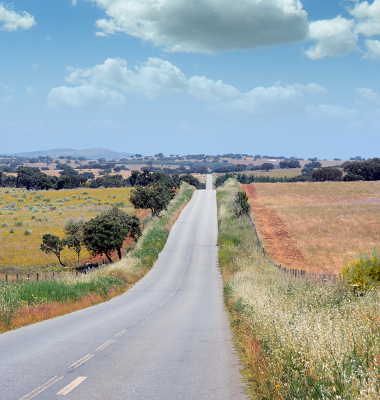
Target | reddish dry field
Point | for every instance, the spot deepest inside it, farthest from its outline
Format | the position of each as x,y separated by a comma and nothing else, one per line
317,225
279,244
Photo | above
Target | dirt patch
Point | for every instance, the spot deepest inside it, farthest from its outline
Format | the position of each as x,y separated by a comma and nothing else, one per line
278,243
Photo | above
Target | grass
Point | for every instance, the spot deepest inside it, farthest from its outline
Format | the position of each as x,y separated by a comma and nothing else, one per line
297,339
22,303
22,224
329,221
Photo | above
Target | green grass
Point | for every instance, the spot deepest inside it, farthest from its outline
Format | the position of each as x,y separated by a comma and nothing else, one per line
297,339
67,287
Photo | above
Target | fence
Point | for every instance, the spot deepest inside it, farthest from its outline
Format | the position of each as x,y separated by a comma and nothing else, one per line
298,273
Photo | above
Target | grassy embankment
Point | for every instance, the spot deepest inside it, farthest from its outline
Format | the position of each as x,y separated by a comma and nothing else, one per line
23,303
297,339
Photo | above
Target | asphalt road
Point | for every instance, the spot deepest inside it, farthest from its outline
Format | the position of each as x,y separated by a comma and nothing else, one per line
166,338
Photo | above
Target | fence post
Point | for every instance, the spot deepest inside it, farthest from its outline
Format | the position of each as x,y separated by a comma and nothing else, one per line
16,277
6,279
28,277
37,276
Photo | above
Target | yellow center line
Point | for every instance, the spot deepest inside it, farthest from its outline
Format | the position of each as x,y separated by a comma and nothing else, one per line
72,385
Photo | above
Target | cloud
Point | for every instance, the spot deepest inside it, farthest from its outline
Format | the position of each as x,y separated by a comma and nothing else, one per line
106,85
84,97
29,90
311,88
368,16
151,79
331,112
368,94
11,20
335,38
275,100
373,49
206,26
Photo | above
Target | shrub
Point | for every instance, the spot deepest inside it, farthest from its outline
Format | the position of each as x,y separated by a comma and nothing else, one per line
18,223
4,225
27,232
59,201
242,206
363,273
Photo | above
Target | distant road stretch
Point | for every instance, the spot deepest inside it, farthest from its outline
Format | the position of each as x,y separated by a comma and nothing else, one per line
166,338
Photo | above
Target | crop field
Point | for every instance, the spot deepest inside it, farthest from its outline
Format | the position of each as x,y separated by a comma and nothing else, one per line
276,173
26,216
318,224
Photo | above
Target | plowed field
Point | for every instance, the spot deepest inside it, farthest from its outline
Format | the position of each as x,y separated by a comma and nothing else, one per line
278,243
317,225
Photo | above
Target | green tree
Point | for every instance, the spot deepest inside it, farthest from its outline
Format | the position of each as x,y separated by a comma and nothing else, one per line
242,206
327,174
267,166
155,197
53,244
74,236
106,232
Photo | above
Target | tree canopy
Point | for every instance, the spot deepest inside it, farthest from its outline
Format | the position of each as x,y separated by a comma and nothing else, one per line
155,197
106,232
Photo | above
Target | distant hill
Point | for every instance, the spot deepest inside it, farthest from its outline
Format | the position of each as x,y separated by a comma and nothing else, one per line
88,153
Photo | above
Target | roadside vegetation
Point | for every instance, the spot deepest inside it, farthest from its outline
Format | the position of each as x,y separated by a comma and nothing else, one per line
298,339
22,303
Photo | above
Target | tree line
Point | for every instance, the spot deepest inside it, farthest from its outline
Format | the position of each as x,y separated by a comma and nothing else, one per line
32,178
367,170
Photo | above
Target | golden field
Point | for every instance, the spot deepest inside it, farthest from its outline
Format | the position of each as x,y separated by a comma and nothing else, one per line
328,220
26,216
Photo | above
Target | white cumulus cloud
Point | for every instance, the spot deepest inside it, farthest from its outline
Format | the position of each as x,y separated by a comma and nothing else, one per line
335,38
206,26
153,78
373,49
11,20
106,85
368,16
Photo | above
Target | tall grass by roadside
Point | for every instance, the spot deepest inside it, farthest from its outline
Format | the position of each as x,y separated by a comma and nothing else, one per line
17,298
298,339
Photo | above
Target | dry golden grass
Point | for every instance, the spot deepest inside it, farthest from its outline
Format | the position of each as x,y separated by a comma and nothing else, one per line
277,173
329,221
47,212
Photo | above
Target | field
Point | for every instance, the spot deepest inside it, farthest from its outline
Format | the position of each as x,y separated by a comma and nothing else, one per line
26,216
297,338
317,225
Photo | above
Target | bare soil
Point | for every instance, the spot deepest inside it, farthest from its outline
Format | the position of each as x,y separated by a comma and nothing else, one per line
278,243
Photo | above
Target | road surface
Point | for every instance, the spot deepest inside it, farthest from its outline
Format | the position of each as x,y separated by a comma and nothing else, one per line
166,338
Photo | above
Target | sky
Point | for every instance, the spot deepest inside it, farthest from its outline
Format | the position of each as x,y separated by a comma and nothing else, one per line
274,77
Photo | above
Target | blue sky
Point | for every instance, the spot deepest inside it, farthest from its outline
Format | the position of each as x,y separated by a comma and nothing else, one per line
277,77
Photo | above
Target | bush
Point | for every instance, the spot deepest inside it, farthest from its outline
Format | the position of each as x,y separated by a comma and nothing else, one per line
27,232
364,273
242,206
